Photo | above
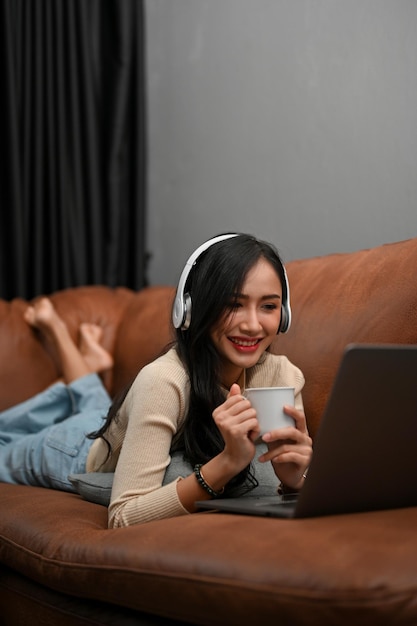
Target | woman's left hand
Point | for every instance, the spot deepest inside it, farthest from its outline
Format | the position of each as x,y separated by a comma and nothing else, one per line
289,450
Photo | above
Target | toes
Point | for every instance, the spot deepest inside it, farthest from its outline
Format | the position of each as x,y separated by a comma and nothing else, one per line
29,315
91,331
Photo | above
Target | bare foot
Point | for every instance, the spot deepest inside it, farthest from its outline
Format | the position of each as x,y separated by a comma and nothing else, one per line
43,316
96,357
70,361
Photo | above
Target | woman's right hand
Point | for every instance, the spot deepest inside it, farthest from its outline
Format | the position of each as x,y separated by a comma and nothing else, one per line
237,423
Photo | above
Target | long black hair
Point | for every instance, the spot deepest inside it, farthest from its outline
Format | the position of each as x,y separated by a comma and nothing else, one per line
217,276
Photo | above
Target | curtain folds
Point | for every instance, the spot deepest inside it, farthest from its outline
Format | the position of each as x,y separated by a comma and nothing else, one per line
73,139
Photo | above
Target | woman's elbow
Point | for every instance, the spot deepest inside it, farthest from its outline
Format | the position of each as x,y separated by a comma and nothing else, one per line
115,517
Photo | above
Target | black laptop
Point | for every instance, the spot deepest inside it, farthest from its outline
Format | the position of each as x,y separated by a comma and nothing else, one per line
365,451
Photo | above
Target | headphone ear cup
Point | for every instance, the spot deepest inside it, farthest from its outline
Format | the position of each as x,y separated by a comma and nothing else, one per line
186,320
286,315
283,321
178,312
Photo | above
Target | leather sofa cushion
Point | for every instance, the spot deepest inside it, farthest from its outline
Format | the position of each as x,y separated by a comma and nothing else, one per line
204,568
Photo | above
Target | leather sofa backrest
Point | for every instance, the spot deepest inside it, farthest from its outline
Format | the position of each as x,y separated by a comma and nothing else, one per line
368,296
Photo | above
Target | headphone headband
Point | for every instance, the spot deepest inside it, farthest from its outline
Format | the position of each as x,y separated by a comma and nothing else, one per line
181,310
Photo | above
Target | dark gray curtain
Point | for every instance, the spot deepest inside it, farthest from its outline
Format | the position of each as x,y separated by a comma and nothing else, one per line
72,139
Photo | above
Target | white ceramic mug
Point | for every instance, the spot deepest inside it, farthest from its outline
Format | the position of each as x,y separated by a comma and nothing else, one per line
268,403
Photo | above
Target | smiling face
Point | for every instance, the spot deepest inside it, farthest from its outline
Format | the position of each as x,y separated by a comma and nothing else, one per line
247,329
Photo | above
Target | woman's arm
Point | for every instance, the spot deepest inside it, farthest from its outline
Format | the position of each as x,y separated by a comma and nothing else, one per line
151,413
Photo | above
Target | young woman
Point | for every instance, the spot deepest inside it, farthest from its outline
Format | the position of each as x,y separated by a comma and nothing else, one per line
231,301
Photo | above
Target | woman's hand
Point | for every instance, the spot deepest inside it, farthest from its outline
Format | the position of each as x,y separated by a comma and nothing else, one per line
237,423
289,450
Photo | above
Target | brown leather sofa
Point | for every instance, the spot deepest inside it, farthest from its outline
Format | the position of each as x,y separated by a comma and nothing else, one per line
59,564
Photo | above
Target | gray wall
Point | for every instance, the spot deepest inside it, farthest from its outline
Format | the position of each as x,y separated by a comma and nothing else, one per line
291,119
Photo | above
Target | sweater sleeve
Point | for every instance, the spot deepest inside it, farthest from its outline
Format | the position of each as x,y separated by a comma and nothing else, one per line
153,409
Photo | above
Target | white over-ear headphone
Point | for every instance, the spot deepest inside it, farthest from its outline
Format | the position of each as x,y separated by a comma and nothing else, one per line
181,310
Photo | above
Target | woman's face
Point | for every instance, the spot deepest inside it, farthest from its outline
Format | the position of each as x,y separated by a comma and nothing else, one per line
248,328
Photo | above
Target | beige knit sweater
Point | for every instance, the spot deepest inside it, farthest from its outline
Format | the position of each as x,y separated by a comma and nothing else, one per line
140,437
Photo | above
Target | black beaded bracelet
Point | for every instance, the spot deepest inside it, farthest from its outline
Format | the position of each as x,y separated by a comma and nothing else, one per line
202,482
283,490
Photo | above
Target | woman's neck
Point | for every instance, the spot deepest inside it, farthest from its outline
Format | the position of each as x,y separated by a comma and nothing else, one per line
238,377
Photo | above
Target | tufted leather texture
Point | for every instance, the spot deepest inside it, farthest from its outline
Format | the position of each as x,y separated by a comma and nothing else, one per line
60,564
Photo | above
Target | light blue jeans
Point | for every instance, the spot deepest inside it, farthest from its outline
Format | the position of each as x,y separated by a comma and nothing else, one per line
43,439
